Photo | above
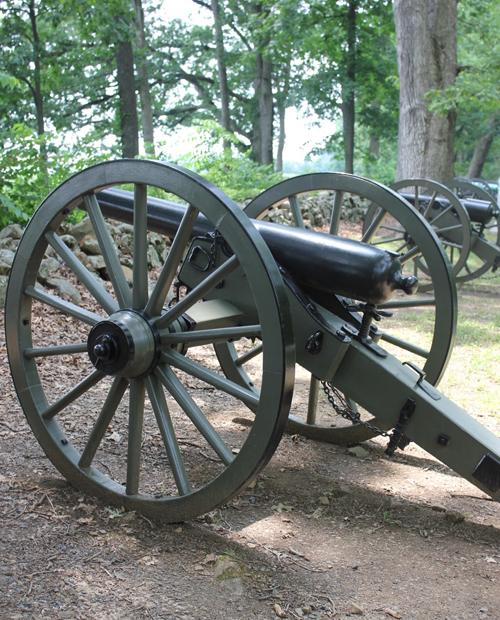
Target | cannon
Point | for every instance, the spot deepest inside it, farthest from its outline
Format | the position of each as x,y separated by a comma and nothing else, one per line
465,218
172,406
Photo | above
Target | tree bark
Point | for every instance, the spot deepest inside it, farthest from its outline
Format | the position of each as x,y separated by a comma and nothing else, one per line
129,126
426,39
266,111
143,82
281,98
225,117
348,85
482,148
37,86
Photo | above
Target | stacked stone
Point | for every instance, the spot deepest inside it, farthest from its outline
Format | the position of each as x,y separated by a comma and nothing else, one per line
316,210
80,239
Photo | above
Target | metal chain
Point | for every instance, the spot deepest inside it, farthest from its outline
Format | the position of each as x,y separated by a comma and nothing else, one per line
344,410
216,236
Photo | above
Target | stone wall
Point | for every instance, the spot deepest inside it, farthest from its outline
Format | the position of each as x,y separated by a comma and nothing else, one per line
80,239
316,210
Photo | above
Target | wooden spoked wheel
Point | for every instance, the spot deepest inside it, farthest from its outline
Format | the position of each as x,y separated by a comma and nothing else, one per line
444,212
422,327
119,410
478,262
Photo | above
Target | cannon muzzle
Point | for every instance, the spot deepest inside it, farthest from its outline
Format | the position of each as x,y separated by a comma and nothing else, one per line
319,261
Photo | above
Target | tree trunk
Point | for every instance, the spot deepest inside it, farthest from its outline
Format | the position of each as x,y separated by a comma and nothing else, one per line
143,82
348,109
374,148
266,109
225,117
129,125
262,126
482,149
281,98
426,39
37,86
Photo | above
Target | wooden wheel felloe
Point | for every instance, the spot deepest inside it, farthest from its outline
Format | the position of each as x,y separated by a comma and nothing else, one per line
120,411
445,214
414,240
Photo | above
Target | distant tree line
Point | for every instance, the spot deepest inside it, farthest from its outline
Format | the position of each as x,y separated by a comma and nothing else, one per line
83,80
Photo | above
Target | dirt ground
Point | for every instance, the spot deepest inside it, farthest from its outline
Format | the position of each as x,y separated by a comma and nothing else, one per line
322,534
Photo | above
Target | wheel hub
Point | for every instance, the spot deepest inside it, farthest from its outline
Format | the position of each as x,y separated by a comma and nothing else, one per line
125,344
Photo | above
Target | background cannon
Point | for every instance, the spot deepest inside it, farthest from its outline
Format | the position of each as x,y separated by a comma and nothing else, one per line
465,218
484,214
130,400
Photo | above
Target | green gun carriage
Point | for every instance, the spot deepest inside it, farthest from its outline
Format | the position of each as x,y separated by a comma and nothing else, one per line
168,391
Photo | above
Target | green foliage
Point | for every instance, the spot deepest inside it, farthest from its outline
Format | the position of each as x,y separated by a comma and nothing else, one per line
233,171
32,166
8,81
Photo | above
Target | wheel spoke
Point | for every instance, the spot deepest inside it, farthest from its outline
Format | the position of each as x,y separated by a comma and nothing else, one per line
100,294
135,423
140,267
73,394
63,349
296,212
156,301
249,355
157,398
398,229
116,274
440,215
207,336
438,231
385,240
198,292
374,226
407,346
336,213
194,413
430,204
181,362
450,244
408,303
108,410
312,404
410,255
64,306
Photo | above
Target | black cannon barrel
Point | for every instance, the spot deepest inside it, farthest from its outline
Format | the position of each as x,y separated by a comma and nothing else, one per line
480,211
320,261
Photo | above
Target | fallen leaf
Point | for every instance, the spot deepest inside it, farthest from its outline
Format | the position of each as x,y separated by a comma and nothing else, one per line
392,613
282,507
279,611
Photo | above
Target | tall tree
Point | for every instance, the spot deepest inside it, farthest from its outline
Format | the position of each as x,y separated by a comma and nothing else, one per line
482,148
125,77
426,38
143,80
349,51
225,114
